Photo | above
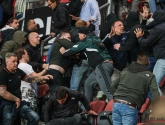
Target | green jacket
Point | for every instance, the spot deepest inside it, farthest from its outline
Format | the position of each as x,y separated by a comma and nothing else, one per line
56,58
12,45
91,47
133,85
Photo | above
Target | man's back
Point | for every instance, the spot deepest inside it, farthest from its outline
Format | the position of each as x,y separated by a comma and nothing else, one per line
134,83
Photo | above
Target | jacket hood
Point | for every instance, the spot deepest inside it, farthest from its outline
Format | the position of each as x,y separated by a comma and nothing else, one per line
110,16
132,19
159,17
136,67
18,37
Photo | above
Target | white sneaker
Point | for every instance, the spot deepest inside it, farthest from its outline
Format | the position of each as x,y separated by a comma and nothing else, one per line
99,94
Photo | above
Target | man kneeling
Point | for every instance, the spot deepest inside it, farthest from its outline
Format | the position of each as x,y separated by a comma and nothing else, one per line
63,106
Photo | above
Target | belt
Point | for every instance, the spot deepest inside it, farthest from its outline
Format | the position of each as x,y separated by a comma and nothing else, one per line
56,67
126,103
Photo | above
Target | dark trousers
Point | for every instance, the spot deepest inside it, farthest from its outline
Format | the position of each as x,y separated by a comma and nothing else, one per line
56,81
75,120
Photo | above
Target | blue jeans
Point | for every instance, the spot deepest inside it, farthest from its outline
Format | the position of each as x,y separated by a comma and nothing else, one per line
152,5
124,115
79,74
159,72
24,111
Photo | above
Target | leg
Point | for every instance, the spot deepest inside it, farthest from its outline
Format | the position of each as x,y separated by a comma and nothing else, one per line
103,73
116,116
75,120
129,115
60,121
7,117
27,113
78,75
56,81
88,86
159,72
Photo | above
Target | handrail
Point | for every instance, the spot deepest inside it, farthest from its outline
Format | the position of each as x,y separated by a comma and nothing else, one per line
104,6
43,43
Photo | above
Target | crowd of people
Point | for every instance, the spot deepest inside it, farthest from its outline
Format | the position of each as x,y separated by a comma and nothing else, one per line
125,61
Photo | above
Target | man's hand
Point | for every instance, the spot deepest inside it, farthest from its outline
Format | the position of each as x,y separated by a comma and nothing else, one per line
112,33
74,17
62,50
145,13
17,102
46,77
116,46
91,112
45,66
138,32
52,34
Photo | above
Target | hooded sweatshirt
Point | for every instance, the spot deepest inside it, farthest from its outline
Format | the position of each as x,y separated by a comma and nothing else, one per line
156,39
133,85
15,43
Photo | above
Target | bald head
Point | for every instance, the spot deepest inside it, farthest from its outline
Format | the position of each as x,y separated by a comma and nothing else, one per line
34,39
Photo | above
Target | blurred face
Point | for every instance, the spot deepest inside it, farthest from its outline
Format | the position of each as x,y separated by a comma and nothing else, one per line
81,36
62,101
52,5
36,39
11,63
32,25
82,0
26,56
119,27
15,24
67,36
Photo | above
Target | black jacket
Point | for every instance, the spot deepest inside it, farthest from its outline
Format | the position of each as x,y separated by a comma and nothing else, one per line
119,58
68,109
35,59
156,39
6,36
61,19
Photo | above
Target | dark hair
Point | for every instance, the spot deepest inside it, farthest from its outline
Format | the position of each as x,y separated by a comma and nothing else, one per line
19,52
11,20
61,93
115,22
63,32
57,1
27,22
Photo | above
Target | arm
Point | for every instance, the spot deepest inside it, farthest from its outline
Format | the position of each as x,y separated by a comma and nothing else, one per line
36,79
80,46
130,43
48,109
114,85
81,97
8,96
62,18
150,40
94,11
153,88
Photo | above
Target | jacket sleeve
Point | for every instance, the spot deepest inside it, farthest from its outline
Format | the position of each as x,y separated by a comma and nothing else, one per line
153,88
48,109
131,42
80,46
62,19
107,43
114,85
94,10
8,46
81,97
151,39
